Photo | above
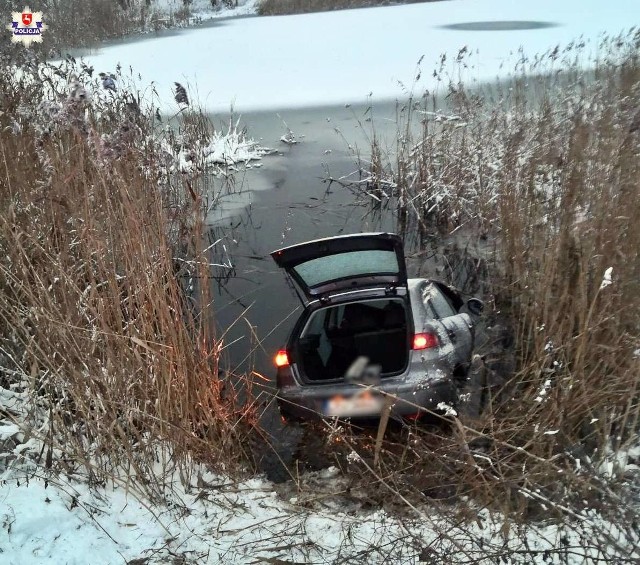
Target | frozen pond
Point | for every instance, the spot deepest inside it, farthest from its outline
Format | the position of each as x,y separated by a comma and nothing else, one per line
343,56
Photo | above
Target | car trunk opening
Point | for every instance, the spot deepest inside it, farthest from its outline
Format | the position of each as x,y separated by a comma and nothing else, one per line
335,336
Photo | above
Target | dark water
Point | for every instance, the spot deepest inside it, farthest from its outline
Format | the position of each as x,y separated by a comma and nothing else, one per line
287,200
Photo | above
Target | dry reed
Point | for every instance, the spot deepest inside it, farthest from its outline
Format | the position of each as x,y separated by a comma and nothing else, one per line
102,247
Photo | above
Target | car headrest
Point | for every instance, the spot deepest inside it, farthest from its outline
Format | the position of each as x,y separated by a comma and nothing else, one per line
360,318
393,315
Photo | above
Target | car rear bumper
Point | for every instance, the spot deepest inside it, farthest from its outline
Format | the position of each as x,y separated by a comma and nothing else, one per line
314,402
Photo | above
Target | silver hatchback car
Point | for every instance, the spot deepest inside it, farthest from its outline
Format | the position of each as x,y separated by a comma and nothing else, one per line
370,338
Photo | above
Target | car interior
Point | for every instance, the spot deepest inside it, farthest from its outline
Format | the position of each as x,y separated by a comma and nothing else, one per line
334,337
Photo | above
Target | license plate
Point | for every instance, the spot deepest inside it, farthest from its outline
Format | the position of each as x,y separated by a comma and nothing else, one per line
362,404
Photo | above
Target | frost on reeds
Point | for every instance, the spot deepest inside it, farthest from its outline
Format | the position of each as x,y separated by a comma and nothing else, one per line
95,323
543,168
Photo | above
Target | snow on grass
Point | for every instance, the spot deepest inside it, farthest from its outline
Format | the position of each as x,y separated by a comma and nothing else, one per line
209,518
222,521
606,279
338,57
232,147
68,88
225,149
20,421
542,393
447,409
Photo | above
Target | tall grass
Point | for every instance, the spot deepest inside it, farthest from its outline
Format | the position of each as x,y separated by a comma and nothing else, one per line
545,169
95,321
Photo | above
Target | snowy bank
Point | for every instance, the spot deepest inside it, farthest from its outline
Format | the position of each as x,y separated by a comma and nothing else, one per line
323,517
208,518
221,521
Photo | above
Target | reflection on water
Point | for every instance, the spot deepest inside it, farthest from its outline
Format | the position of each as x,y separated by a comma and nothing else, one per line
505,25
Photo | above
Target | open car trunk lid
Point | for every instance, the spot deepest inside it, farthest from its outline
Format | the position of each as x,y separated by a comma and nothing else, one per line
335,265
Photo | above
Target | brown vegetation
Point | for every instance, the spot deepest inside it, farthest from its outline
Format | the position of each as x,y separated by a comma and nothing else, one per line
94,320
544,170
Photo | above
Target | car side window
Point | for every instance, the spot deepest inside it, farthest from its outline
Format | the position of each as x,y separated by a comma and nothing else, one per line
431,313
436,302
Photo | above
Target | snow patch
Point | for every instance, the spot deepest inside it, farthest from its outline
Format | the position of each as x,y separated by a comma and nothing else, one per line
7,431
223,150
63,521
447,409
606,279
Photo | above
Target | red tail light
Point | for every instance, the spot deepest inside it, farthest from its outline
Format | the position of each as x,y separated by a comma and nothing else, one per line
281,358
425,341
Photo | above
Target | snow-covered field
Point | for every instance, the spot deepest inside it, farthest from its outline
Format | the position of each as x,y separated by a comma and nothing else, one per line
341,57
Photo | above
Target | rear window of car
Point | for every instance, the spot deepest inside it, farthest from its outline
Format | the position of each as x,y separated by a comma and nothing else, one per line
347,265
